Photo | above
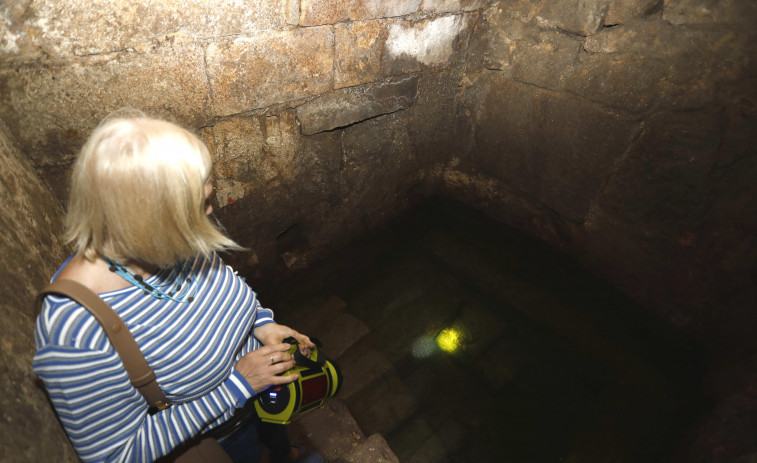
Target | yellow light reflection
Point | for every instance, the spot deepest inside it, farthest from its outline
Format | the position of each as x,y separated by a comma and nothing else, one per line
449,340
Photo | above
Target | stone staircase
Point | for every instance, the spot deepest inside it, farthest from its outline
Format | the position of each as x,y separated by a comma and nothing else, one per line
554,366
332,430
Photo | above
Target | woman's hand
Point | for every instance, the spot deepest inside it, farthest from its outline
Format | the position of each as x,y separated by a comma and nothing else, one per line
273,333
262,367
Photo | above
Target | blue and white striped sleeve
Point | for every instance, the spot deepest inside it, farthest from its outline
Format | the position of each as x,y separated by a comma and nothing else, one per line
263,315
106,418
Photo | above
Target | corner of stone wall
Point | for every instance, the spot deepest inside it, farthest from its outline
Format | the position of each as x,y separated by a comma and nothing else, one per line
622,132
30,223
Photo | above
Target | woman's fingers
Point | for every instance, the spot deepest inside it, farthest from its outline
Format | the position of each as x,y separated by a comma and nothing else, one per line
281,366
264,366
284,379
303,340
272,349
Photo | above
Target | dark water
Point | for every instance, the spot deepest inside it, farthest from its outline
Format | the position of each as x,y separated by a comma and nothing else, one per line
550,363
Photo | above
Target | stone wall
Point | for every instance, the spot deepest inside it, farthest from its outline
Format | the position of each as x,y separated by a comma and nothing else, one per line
621,131
624,132
279,89
30,223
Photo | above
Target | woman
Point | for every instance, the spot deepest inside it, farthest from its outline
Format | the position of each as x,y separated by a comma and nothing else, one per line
138,219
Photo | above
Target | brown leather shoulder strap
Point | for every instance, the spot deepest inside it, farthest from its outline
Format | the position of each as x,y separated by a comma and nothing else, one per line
140,373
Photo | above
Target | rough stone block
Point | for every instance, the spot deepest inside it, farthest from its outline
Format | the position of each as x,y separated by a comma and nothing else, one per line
497,37
348,106
293,12
383,406
429,43
359,47
247,73
722,58
432,122
332,431
339,334
522,10
15,40
368,50
31,429
31,224
259,160
408,437
372,450
564,164
612,81
709,11
496,50
580,17
451,6
651,38
52,96
449,436
259,153
378,167
634,67
361,365
100,26
547,61
672,159
432,449
319,12
623,11
314,321
627,66
270,178
630,67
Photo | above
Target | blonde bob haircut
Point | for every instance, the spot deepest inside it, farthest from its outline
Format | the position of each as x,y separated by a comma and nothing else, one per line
138,190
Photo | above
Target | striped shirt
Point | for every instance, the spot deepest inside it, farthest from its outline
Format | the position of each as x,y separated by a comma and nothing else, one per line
192,347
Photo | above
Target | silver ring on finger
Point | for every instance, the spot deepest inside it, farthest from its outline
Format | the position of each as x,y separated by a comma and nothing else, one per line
271,359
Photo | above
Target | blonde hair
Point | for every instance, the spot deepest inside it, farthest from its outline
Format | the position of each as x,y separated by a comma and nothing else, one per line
138,188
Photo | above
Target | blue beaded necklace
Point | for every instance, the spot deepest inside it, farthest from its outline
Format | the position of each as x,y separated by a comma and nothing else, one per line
154,290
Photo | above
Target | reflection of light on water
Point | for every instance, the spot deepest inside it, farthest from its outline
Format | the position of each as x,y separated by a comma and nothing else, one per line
449,340
423,347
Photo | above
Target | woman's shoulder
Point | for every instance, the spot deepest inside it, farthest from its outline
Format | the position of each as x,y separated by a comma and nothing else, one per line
211,264
64,322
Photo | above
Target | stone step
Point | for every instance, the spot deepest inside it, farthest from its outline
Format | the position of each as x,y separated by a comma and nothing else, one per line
343,332
313,321
431,441
336,330
383,406
372,450
361,365
332,430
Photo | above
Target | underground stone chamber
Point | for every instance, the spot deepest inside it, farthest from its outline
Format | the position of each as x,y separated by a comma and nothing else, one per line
601,151
464,340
